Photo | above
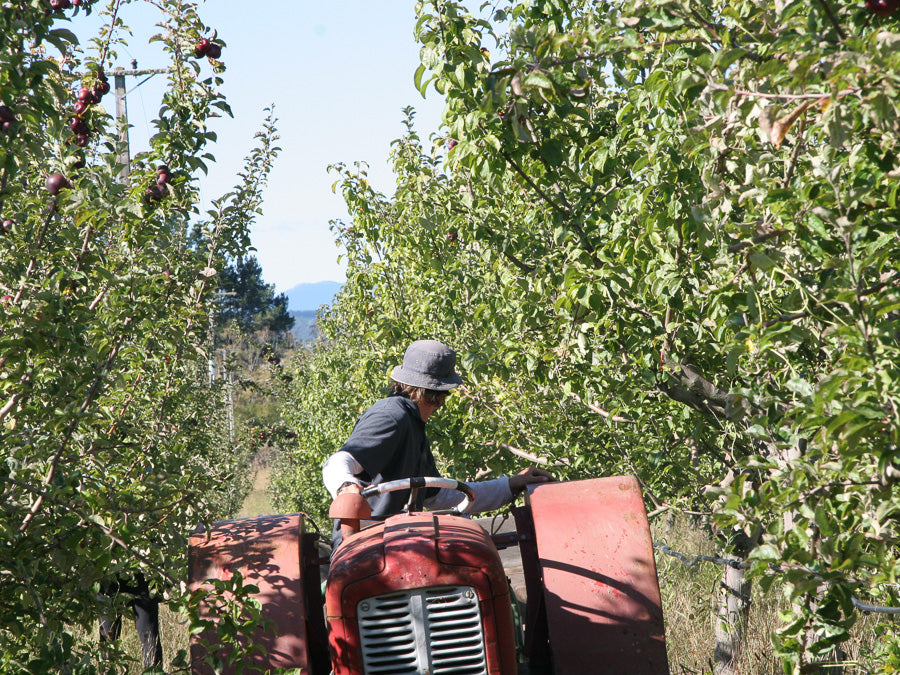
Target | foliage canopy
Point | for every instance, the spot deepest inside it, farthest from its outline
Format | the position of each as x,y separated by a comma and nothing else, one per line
664,238
114,442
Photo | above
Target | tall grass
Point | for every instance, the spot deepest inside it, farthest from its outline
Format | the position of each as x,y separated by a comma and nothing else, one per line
689,603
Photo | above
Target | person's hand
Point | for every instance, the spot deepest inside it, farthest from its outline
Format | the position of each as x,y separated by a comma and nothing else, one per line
530,475
349,487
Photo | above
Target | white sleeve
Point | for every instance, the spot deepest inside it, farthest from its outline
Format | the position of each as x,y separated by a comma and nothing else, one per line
338,469
489,495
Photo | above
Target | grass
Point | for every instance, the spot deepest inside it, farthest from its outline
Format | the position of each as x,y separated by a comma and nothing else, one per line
257,502
689,598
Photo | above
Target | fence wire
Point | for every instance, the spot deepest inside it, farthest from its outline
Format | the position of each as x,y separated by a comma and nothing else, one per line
691,560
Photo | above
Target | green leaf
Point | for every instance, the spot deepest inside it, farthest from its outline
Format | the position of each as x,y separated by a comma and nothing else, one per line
761,261
765,552
61,38
538,80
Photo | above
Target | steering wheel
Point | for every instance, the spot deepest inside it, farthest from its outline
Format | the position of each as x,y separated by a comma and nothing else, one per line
417,482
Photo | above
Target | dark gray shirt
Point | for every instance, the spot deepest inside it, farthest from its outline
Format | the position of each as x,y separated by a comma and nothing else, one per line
389,442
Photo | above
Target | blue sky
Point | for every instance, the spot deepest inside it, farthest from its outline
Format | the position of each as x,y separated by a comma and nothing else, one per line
339,73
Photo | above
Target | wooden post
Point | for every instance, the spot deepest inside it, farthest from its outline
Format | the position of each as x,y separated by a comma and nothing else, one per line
732,613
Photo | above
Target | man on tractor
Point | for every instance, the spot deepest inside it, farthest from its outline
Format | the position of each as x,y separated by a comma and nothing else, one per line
389,442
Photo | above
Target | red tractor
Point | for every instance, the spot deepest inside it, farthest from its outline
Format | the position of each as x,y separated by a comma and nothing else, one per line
428,593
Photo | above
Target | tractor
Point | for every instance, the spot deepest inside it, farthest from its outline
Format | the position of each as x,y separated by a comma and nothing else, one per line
570,590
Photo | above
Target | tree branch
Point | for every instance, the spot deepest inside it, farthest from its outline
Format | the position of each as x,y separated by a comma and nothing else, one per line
54,461
44,496
833,19
601,411
781,97
543,461
794,316
543,195
511,70
697,392
740,246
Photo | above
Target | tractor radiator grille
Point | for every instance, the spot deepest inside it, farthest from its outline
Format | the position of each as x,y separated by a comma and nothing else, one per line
427,631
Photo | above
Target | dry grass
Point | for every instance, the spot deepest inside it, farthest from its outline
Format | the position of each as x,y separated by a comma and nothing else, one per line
689,595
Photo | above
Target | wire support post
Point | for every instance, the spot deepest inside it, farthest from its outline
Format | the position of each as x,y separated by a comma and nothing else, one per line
691,560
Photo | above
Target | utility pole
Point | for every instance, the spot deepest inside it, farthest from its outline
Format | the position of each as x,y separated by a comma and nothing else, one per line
119,75
122,118
225,373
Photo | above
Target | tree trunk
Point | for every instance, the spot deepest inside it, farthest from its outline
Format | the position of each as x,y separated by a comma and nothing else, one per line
832,665
731,617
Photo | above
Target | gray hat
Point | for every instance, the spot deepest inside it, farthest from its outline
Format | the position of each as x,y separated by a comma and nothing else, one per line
428,364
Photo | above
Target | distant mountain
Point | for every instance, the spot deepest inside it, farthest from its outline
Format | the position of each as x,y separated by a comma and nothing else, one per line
309,297
305,329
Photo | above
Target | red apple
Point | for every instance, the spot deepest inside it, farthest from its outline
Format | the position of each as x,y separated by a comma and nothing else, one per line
7,118
78,126
80,108
202,47
214,51
156,192
81,140
100,89
7,225
85,94
882,7
452,143
56,182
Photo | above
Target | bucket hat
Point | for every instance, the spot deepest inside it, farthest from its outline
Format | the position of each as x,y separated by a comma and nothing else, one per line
428,364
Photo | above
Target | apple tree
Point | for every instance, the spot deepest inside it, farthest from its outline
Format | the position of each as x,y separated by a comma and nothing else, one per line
114,442
723,189
664,239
